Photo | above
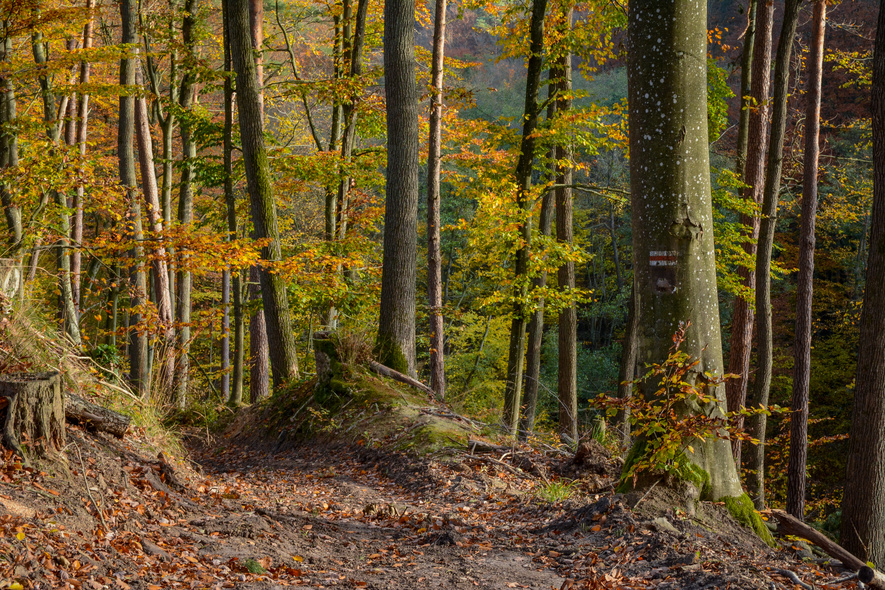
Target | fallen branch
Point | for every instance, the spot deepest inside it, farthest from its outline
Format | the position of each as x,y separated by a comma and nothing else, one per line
478,446
102,419
397,376
794,578
788,525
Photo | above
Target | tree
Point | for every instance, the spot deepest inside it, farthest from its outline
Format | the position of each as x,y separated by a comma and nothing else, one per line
770,197
434,255
672,212
805,283
567,382
395,346
756,112
8,139
863,504
281,341
523,181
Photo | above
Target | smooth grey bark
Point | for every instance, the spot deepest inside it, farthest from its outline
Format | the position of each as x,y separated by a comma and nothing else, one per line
740,344
183,282
82,121
805,282
160,274
673,251
627,370
395,346
9,143
567,376
770,196
863,503
434,253
137,348
523,180
281,341
67,309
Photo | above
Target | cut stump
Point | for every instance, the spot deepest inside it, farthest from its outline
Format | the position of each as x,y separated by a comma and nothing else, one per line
35,413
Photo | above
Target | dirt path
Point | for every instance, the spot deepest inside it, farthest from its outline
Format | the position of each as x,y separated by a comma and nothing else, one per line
350,517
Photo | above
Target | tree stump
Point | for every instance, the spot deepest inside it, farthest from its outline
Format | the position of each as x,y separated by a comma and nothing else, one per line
35,413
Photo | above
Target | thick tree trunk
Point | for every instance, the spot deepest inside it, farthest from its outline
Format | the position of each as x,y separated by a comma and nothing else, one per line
396,324
434,254
567,381
281,340
754,177
670,190
259,376
523,180
35,413
756,479
863,504
804,287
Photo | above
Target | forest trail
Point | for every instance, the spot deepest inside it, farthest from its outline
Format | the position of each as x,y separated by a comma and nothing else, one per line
321,516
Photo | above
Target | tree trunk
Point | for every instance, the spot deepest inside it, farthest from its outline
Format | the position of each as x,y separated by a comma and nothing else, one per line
185,204
95,417
35,413
8,142
863,504
756,479
673,249
259,377
236,389
804,287
159,272
567,382
523,180
281,340
754,177
82,120
126,156
434,255
627,370
396,324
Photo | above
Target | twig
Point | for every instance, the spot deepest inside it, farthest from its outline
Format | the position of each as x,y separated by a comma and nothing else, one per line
657,481
794,578
850,576
89,492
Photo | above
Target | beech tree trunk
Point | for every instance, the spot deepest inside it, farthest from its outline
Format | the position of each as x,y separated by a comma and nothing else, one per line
756,114
673,248
137,348
756,479
396,324
236,386
805,282
523,181
281,340
8,141
434,254
863,503
159,273
567,381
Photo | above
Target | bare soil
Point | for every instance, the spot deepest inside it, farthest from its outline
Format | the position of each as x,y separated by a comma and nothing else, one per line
237,514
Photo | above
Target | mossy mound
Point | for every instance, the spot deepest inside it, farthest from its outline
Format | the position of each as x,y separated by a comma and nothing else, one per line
742,509
361,408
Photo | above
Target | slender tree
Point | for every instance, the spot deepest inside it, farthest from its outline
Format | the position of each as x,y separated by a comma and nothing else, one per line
673,249
804,287
863,503
396,324
281,341
567,380
138,374
434,255
8,140
756,115
523,180
770,195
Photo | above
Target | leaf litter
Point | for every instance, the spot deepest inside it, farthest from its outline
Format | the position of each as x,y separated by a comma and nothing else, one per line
346,516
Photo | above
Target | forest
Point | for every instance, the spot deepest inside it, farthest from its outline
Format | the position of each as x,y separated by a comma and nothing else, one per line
497,199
